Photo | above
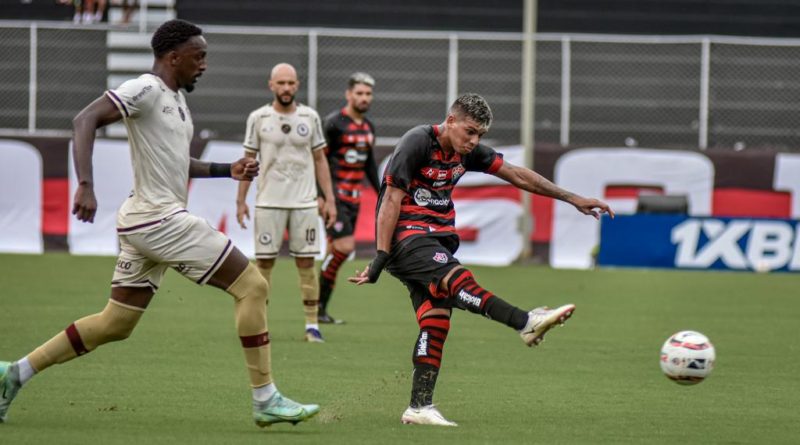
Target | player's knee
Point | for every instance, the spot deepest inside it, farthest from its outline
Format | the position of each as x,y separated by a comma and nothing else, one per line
265,263
304,262
457,279
119,332
114,323
120,321
345,245
439,312
249,285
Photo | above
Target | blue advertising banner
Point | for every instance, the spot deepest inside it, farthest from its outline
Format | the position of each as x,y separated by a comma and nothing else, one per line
679,241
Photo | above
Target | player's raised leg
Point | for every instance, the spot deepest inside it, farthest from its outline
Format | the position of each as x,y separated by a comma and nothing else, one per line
250,291
467,294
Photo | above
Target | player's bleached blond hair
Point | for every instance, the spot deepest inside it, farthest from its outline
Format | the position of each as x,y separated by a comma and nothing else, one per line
360,78
473,106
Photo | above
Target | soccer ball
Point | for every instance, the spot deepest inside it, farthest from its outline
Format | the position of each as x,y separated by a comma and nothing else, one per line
687,357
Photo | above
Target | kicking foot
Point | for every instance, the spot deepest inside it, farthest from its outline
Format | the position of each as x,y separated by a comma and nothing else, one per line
281,409
541,319
426,415
9,386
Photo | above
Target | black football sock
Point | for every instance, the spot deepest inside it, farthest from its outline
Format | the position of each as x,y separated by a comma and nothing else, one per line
468,294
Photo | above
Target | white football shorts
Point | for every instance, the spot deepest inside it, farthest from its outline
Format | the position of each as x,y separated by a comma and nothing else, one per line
303,226
184,242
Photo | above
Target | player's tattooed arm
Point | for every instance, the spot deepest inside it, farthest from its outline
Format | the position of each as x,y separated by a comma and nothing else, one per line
530,181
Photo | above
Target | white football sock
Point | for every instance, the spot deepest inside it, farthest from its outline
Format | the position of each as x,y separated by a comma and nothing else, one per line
26,371
263,393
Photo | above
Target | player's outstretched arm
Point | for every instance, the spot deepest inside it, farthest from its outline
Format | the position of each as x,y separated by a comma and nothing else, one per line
528,180
388,214
97,114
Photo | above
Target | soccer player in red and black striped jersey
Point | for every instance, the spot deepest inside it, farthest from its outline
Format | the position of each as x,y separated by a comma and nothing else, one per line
350,137
416,239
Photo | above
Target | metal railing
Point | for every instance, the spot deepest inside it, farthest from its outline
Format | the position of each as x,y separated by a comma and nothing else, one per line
694,91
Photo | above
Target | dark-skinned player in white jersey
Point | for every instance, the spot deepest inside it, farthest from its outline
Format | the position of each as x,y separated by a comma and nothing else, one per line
154,229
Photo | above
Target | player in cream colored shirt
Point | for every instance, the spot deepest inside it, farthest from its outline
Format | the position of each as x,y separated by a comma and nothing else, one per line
287,138
156,232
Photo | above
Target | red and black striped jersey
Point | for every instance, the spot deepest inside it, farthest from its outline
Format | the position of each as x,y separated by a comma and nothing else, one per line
427,174
350,155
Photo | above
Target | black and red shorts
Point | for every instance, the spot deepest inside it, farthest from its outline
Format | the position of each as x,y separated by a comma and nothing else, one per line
345,225
421,264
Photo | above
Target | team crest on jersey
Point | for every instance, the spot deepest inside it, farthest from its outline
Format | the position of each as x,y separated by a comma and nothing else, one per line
440,257
302,130
183,115
265,238
458,170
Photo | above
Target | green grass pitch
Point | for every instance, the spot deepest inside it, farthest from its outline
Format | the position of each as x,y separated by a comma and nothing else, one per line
180,378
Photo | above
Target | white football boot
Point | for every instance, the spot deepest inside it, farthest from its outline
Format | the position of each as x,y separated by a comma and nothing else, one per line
426,415
541,319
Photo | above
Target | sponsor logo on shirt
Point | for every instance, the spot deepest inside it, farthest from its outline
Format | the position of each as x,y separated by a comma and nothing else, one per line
440,257
141,94
167,110
353,156
423,198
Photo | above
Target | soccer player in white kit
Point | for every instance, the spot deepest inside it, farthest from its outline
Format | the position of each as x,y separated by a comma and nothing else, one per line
155,230
287,138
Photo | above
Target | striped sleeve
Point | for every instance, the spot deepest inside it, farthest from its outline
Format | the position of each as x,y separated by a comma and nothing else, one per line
484,159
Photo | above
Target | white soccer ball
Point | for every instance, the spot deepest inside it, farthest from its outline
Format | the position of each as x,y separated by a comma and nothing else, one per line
687,357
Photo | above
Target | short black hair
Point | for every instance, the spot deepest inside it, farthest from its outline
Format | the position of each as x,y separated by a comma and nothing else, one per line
475,107
172,34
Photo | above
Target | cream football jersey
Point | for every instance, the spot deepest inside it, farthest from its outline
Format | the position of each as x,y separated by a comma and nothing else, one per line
285,144
159,132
